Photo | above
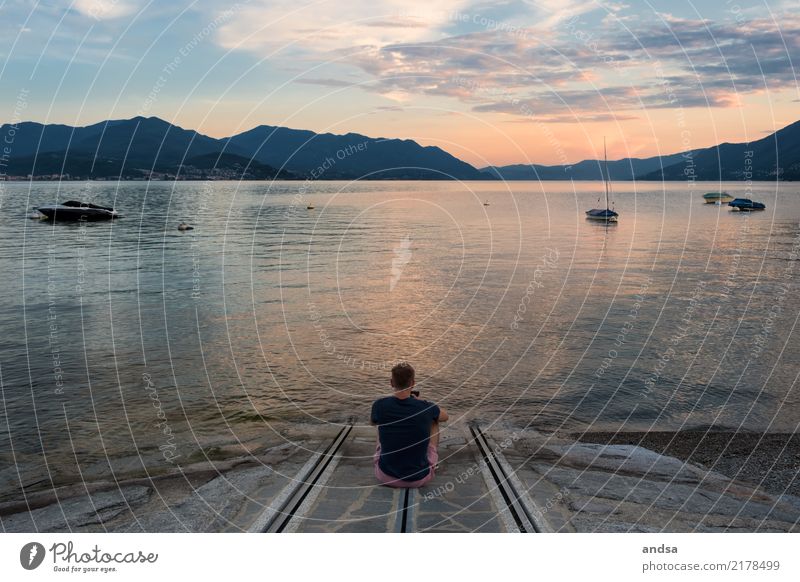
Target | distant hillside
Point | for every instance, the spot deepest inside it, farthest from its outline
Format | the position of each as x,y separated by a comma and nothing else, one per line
207,166
234,167
350,156
151,147
624,169
776,156
141,142
75,164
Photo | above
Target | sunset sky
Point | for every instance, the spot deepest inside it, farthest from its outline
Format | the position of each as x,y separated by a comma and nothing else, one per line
495,82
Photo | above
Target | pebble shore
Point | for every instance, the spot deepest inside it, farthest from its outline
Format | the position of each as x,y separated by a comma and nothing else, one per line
770,460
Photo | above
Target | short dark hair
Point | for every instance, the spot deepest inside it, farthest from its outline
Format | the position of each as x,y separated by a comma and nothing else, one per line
402,375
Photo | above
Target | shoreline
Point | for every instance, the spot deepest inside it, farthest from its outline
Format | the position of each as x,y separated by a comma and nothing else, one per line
587,482
769,460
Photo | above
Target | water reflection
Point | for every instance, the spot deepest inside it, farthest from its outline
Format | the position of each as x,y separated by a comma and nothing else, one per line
267,313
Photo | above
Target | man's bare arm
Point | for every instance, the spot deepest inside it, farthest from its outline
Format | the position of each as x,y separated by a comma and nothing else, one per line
443,416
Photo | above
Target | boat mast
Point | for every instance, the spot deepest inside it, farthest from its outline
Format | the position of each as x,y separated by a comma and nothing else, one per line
605,174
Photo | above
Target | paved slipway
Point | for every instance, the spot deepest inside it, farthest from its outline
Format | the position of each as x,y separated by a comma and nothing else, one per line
528,482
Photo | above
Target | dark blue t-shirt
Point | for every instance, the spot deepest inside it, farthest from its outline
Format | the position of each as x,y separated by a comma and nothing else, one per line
404,429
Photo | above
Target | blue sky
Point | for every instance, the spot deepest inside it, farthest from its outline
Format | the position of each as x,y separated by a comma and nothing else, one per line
492,82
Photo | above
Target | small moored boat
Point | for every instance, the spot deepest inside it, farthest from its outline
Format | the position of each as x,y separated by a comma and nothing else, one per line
717,197
603,214
72,210
745,205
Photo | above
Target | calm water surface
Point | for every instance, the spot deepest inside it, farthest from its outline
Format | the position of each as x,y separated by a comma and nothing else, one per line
115,336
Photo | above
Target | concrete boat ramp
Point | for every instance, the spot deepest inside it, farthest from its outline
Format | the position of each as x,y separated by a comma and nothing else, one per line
463,497
489,479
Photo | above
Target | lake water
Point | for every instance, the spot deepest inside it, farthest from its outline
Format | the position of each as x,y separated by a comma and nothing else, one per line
130,339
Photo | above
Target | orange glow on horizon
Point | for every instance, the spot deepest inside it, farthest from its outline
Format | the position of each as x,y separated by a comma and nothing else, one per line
483,139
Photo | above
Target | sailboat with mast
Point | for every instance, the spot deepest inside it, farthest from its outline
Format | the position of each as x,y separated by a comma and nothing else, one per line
603,214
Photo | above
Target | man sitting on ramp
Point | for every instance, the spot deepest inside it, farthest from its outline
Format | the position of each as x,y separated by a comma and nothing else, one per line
408,433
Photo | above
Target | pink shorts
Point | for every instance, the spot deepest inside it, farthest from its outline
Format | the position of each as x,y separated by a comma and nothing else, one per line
388,480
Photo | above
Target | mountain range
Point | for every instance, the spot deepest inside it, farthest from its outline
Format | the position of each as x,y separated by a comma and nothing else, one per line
625,169
776,156
151,148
